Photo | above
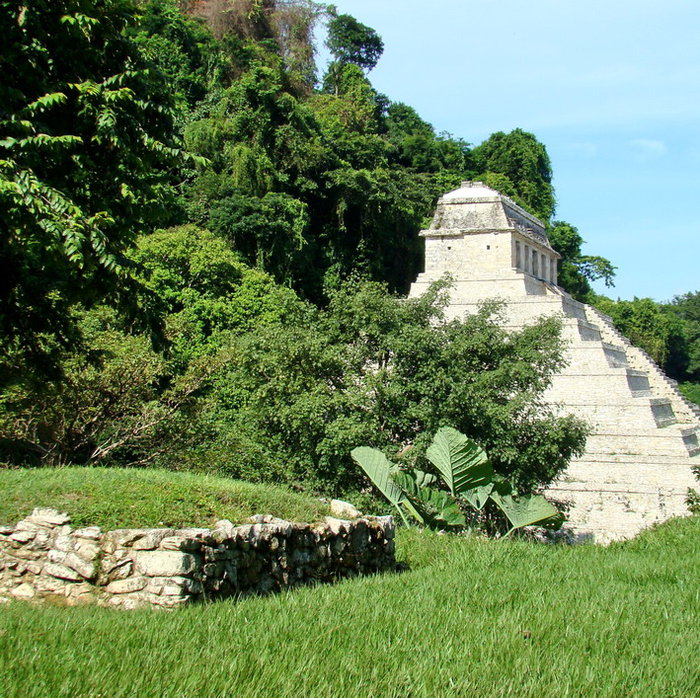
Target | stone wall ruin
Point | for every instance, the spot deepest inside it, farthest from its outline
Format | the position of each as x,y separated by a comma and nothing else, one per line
42,557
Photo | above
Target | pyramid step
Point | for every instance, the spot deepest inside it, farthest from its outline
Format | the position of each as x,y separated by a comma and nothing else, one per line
672,440
637,413
596,356
603,384
582,330
658,460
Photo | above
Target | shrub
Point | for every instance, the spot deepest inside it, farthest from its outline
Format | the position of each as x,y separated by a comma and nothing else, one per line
374,369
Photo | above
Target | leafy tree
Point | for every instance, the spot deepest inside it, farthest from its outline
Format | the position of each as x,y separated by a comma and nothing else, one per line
86,140
285,26
417,145
523,161
350,41
204,290
182,48
575,270
117,402
294,22
687,365
378,370
650,326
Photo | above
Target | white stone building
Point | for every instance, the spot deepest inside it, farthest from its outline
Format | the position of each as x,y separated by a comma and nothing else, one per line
637,466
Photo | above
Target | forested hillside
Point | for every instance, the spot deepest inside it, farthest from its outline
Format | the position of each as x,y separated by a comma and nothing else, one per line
203,234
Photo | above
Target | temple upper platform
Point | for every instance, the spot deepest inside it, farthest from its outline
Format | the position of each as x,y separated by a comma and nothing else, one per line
478,233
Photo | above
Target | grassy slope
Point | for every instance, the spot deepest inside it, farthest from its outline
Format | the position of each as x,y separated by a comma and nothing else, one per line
473,617
119,498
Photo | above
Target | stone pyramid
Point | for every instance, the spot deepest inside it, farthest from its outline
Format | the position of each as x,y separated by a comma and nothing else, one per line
638,462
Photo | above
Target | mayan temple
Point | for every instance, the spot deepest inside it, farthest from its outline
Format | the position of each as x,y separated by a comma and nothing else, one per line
638,462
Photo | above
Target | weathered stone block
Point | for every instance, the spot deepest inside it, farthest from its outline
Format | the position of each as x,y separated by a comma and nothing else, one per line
64,543
87,549
34,567
163,563
175,586
337,526
138,538
24,591
126,586
62,572
168,601
344,510
23,536
89,533
152,539
50,585
57,556
85,568
24,553
185,545
48,517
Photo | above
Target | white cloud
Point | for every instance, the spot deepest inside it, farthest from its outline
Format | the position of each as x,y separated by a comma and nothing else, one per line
647,149
585,150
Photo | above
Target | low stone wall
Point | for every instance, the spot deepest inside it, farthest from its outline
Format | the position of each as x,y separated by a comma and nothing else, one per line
43,556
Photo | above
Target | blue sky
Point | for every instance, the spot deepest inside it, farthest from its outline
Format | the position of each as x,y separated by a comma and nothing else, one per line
612,88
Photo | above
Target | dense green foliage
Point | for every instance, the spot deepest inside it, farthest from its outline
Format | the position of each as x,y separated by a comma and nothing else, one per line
350,41
374,369
516,164
691,391
119,399
471,618
86,141
653,327
687,309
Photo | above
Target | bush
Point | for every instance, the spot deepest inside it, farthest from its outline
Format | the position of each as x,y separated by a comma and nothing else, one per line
374,369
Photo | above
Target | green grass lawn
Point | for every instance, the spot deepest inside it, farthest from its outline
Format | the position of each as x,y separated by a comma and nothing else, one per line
130,498
472,617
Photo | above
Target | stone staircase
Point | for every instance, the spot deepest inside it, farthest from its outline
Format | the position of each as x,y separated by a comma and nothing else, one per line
638,462
644,439
685,410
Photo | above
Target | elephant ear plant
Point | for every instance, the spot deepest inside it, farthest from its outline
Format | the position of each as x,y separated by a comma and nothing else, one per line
469,477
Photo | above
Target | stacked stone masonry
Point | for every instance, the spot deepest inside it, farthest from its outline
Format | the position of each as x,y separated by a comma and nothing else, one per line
639,459
43,556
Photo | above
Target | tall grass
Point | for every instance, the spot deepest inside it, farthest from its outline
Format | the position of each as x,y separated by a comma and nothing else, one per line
473,617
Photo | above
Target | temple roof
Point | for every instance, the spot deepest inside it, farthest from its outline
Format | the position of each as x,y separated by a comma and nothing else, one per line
473,191
475,208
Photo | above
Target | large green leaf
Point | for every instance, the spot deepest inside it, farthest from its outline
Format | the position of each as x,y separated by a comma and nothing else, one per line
422,478
379,469
463,464
525,510
432,507
477,496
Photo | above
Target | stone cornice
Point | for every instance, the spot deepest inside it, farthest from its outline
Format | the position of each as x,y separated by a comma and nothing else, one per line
522,231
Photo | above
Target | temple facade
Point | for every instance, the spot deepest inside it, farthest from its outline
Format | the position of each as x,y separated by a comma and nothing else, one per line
638,462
